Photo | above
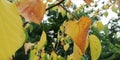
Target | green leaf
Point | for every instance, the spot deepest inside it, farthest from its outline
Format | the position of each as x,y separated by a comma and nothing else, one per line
106,30
105,14
114,8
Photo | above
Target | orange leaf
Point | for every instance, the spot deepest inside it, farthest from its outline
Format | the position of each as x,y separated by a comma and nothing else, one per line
78,30
88,1
32,10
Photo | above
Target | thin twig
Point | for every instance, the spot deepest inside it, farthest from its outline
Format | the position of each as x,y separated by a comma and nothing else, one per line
68,11
55,5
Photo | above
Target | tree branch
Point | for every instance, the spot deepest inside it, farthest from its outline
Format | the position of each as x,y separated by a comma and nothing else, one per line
55,4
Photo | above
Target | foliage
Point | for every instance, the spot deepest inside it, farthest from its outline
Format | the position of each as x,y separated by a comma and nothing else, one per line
64,34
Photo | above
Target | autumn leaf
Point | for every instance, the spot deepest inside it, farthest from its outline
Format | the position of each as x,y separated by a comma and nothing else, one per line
78,31
70,57
62,11
99,25
32,10
88,1
33,54
12,34
54,55
87,43
96,12
68,3
77,53
95,47
42,41
66,46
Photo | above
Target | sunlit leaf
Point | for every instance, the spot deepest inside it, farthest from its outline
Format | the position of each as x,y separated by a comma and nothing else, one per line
68,3
46,57
88,1
42,54
105,13
60,58
77,54
32,10
55,8
99,25
12,35
96,12
114,8
69,16
42,41
78,31
54,55
70,57
62,28
33,54
87,43
105,7
66,46
95,47
62,11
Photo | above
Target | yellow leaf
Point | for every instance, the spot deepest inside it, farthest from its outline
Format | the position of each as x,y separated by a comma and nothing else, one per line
77,53
70,57
43,54
99,25
68,15
12,34
68,3
55,8
66,46
87,44
62,11
33,55
54,55
78,31
60,58
106,6
32,10
95,47
42,41
96,12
